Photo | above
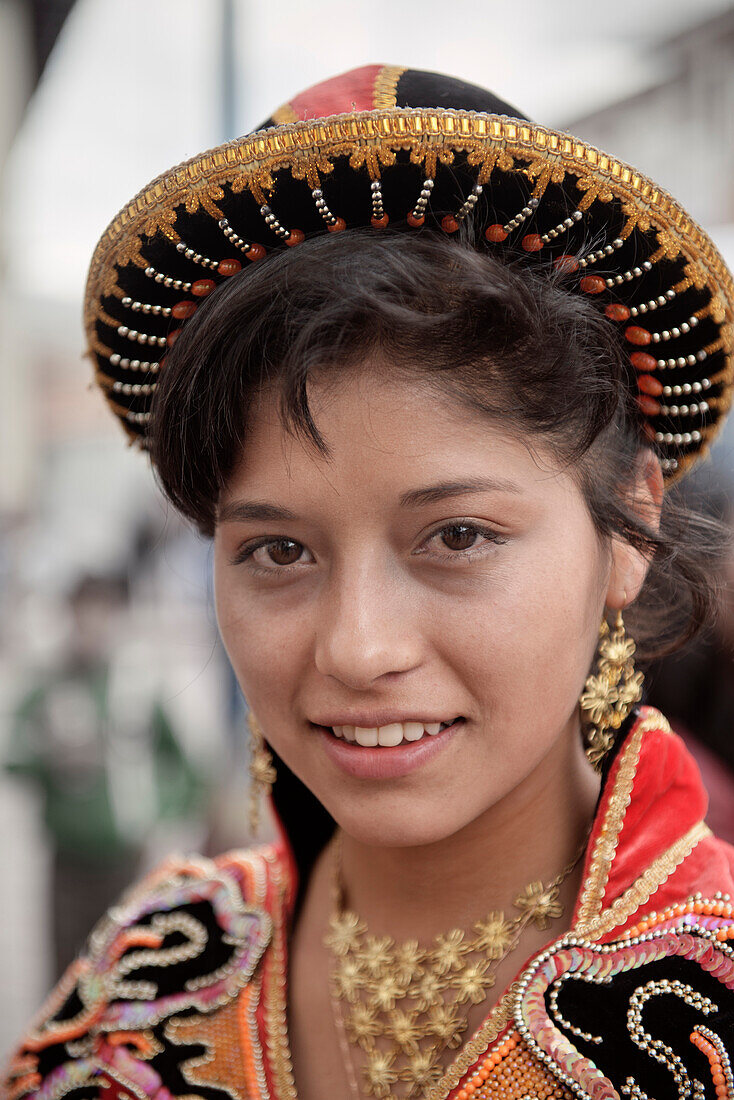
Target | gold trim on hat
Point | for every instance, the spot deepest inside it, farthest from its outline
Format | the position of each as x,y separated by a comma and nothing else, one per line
309,149
386,86
284,115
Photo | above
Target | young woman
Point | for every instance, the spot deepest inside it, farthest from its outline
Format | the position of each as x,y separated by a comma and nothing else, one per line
430,428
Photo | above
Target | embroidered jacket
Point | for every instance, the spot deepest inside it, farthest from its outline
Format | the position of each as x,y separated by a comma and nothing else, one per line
182,990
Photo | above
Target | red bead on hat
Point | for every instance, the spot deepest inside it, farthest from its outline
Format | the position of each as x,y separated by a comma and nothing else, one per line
566,263
592,284
646,383
640,360
202,287
184,309
496,233
637,335
229,267
615,311
648,405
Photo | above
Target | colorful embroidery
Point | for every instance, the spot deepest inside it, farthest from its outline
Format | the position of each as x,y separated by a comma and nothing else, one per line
693,933
185,942
183,990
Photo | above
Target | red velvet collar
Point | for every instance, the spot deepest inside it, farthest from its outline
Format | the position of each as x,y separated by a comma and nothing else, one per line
649,846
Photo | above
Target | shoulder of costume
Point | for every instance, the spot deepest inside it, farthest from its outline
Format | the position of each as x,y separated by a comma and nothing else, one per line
638,999
650,1013
183,944
650,846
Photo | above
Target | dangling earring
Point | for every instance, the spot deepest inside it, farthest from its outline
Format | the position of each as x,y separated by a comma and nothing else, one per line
262,772
611,691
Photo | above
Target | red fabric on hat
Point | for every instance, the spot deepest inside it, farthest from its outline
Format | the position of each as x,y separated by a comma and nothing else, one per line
350,91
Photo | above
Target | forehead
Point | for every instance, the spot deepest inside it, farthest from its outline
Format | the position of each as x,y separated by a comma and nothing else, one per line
384,435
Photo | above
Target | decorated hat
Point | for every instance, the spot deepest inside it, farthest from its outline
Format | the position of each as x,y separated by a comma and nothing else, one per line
422,152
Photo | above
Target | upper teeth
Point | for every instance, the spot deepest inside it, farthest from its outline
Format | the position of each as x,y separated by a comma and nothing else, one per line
388,735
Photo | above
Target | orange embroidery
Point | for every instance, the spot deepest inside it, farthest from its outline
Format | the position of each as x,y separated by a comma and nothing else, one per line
222,1065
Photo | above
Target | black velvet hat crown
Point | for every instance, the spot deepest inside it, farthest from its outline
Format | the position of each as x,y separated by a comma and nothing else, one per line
422,152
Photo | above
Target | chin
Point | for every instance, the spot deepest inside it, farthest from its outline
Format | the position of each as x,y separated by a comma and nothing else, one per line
398,821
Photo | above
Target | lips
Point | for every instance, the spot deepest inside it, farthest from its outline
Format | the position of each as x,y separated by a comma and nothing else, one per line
391,734
381,761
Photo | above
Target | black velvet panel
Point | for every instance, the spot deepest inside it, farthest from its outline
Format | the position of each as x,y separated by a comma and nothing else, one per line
602,1010
422,89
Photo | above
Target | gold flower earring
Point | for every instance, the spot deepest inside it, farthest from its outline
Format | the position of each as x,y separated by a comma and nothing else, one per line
611,691
262,772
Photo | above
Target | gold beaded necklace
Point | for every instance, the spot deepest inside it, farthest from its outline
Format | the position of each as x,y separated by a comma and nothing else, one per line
399,1004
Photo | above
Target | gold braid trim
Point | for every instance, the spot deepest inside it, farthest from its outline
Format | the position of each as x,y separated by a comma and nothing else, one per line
497,1020
642,889
284,115
104,382
606,843
274,989
96,345
385,89
111,322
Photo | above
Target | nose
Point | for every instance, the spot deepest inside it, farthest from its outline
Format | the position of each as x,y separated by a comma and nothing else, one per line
366,627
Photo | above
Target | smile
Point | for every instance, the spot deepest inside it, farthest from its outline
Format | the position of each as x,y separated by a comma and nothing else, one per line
389,751
391,735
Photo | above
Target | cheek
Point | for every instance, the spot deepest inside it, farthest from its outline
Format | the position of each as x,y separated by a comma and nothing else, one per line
266,647
525,642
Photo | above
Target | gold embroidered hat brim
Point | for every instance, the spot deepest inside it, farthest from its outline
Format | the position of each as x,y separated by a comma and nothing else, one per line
533,193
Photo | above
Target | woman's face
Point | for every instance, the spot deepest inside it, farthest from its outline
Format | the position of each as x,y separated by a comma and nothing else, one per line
430,573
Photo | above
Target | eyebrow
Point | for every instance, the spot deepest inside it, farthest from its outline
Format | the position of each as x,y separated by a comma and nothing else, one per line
240,511
432,494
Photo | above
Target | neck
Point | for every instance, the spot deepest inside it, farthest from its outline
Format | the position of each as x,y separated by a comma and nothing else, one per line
532,834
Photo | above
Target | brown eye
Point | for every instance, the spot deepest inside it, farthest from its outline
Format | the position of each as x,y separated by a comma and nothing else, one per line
459,537
284,551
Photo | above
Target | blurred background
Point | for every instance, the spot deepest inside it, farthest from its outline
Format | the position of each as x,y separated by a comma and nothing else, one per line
119,716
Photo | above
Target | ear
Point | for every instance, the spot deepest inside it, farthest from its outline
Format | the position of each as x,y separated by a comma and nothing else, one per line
630,566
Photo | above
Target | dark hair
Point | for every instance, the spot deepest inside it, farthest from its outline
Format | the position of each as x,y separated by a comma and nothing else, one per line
507,340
